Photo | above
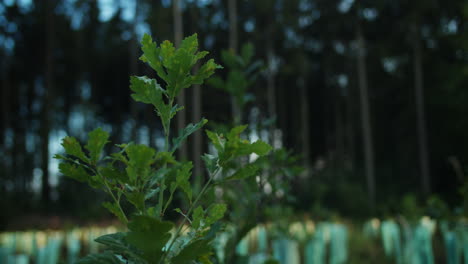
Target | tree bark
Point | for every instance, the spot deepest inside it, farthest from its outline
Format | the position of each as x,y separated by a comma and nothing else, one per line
365,117
178,33
305,127
197,136
47,100
197,149
271,88
6,97
133,52
420,113
233,32
233,47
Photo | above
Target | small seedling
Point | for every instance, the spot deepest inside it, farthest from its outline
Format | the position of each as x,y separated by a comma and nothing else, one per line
146,180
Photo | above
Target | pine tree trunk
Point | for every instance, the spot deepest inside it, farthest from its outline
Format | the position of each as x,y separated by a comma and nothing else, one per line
365,118
5,99
197,136
271,92
233,47
47,100
305,127
133,52
420,113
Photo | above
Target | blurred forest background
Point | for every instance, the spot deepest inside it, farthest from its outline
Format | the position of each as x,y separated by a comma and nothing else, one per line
373,95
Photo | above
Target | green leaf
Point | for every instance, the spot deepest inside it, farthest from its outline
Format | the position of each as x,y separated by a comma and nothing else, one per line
140,158
192,251
217,83
150,193
215,212
205,259
258,147
187,131
247,53
217,140
74,171
116,244
114,209
149,235
73,148
235,132
146,90
205,72
114,174
101,258
150,92
247,171
211,162
137,199
164,157
183,179
190,44
98,138
151,55
167,51
197,217
229,59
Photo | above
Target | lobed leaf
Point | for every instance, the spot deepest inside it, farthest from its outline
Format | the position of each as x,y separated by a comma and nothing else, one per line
116,244
197,217
151,55
98,138
140,158
73,171
259,147
149,235
114,209
217,140
192,251
247,171
215,213
211,162
187,131
146,90
73,148
206,70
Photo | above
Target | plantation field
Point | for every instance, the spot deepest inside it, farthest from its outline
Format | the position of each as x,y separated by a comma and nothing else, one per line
305,242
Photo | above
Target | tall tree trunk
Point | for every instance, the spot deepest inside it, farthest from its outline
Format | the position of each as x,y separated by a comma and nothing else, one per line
133,52
233,32
350,140
339,130
178,33
271,92
197,136
47,100
5,99
365,117
305,127
5,93
196,116
420,113
233,47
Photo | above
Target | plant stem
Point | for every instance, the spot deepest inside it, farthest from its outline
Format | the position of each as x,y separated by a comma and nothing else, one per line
117,201
192,206
167,131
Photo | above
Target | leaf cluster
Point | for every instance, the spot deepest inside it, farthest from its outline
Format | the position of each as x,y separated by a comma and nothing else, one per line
147,179
243,72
